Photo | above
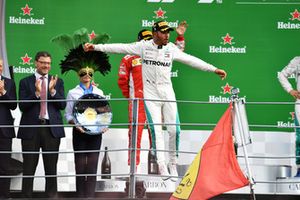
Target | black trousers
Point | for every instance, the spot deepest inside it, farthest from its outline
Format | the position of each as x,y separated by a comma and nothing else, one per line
86,163
5,145
42,139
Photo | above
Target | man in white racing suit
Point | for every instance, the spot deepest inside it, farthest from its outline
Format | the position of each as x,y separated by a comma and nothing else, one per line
131,83
293,68
157,59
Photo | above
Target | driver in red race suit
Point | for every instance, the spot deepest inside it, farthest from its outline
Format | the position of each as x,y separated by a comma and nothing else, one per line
131,83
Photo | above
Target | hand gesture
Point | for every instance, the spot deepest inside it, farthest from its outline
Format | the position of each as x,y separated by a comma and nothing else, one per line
52,84
221,73
181,28
88,47
38,87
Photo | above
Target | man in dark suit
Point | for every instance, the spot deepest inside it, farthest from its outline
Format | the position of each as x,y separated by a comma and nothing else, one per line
41,114
7,93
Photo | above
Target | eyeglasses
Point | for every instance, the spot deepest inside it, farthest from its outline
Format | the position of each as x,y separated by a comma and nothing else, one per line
82,74
44,63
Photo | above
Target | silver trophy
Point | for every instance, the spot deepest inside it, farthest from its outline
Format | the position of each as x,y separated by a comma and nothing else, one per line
93,113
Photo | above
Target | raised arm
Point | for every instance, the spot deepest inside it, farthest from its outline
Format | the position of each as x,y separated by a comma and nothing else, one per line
120,48
180,30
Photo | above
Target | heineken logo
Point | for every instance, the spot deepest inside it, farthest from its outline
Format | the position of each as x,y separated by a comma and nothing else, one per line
227,88
26,10
222,98
22,68
226,46
160,14
295,15
26,59
227,39
282,124
25,17
92,35
293,22
289,123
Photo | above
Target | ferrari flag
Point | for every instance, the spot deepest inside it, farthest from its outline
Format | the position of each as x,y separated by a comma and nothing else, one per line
215,169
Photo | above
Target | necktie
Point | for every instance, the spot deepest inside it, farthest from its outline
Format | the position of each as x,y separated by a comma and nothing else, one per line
43,97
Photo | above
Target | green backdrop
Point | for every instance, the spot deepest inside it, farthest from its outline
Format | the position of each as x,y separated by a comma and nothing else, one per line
262,37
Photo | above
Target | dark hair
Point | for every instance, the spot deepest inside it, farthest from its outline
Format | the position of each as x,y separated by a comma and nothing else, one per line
41,54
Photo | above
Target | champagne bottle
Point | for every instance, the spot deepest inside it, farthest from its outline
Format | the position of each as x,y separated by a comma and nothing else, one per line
152,163
105,166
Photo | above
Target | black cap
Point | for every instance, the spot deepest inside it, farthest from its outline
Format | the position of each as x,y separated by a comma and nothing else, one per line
161,26
145,35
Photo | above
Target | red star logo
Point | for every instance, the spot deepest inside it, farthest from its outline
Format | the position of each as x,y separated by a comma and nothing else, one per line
227,39
160,13
92,35
26,10
227,89
292,115
26,59
295,15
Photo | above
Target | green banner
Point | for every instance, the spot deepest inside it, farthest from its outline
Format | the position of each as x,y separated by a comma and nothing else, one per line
252,40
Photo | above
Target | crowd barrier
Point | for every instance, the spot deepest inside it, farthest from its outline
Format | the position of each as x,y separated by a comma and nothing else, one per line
132,176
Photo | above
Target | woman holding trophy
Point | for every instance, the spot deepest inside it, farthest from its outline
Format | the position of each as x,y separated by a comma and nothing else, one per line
87,110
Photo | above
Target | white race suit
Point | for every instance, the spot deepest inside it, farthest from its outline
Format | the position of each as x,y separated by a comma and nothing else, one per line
156,68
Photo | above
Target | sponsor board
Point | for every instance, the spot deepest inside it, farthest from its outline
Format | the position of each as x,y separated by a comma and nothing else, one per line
25,17
223,98
25,66
159,14
293,22
289,123
227,46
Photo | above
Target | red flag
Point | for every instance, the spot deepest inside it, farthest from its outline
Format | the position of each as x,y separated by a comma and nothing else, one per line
215,169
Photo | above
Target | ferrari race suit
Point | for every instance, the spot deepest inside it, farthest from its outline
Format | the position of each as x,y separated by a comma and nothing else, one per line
156,68
293,68
131,83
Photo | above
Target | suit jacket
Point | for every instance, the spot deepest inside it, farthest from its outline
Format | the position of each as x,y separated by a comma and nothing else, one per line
5,114
31,111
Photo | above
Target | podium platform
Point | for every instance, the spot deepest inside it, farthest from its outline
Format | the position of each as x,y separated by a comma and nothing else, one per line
144,186
288,186
269,179
151,184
